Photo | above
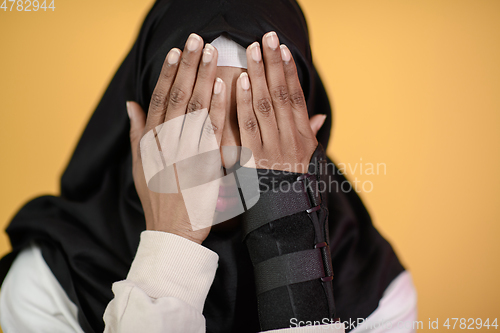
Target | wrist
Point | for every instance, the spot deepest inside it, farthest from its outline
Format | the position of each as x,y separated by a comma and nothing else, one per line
197,236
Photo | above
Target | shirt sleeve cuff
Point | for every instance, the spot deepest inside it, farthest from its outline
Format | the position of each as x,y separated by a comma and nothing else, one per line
168,265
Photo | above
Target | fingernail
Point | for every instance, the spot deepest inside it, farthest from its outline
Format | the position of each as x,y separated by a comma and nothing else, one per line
193,42
208,53
285,53
173,56
272,40
218,86
129,109
245,82
255,52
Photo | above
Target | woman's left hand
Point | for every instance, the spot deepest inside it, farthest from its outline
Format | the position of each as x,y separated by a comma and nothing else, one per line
272,111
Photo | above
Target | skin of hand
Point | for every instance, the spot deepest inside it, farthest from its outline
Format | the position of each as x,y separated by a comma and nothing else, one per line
272,111
187,82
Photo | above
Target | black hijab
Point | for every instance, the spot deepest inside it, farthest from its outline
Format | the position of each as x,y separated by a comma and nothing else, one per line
90,233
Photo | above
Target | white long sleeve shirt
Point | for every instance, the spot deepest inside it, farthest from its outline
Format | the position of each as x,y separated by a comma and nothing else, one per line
164,291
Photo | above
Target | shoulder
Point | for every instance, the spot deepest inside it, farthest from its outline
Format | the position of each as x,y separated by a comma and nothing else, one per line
31,297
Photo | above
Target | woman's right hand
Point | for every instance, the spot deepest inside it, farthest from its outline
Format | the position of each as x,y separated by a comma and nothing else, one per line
186,83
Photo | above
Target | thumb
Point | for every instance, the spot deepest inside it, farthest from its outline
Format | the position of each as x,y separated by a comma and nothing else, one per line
137,124
316,122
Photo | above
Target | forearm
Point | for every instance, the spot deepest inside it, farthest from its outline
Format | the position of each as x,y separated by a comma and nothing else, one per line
286,235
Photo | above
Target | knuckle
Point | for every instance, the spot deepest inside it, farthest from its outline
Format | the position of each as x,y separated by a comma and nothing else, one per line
166,73
194,105
264,106
290,71
217,104
245,100
177,96
276,60
185,62
297,99
259,71
203,74
280,93
250,125
210,129
157,100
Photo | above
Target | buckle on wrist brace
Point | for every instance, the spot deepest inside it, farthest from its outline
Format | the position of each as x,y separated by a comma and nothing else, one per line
310,182
325,254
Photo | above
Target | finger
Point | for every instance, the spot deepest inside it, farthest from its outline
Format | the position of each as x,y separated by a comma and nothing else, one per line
249,126
182,88
217,113
296,95
205,166
191,134
316,122
205,78
262,104
158,105
212,130
220,118
277,86
137,124
194,124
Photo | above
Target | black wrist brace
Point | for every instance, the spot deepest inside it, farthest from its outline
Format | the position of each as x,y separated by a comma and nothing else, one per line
286,234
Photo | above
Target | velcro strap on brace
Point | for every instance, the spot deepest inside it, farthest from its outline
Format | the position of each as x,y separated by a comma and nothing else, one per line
301,196
292,268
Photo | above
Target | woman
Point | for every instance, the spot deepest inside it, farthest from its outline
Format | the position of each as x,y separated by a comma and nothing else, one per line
83,243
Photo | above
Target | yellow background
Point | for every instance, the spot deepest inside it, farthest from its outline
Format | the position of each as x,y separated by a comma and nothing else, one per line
415,85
